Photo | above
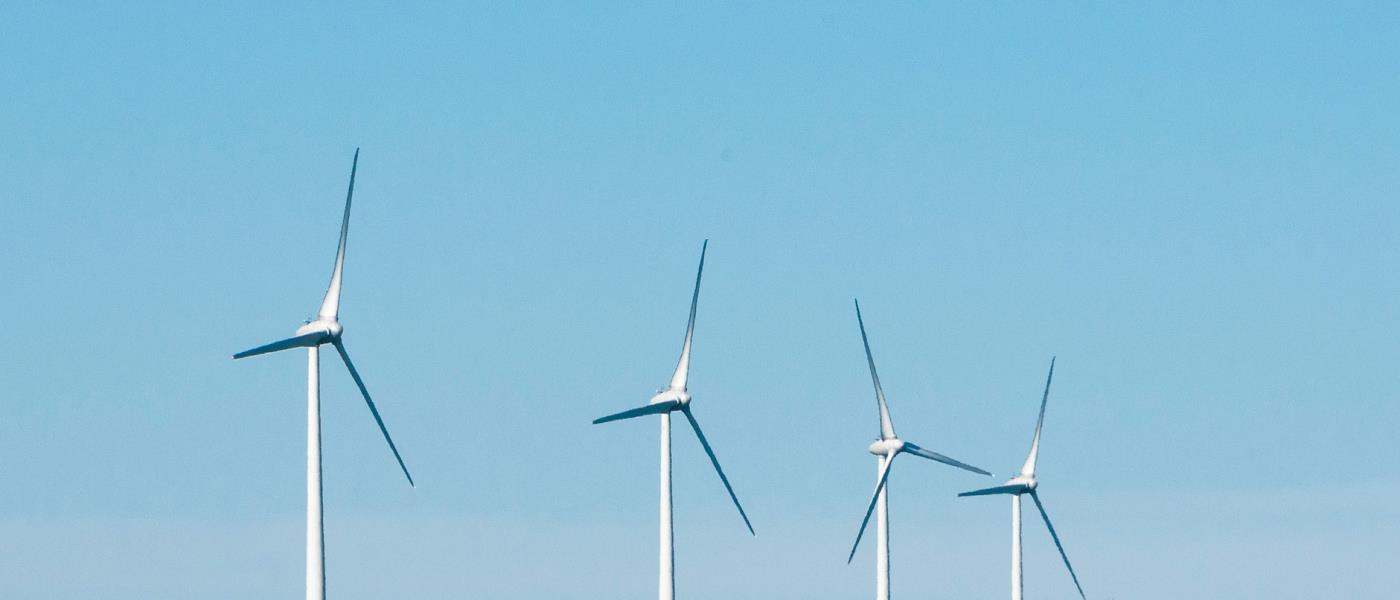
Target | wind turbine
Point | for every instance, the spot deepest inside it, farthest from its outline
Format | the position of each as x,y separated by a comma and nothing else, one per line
885,449
324,329
672,398
1025,483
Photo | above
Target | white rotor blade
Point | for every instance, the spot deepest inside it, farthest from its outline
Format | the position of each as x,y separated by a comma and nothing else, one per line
301,341
339,347
1041,507
884,476
330,306
1001,489
678,379
931,455
1029,467
715,461
886,426
650,409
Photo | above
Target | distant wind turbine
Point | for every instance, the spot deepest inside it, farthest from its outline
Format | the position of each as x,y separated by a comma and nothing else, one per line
1025,483
324,329
885,449
666,401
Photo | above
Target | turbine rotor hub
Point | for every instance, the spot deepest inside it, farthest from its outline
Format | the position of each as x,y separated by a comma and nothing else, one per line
330,327
888,447
1026,481
671,395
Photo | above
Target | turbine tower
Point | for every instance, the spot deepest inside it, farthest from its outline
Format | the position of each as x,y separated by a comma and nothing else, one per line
672,398
1025,483
324,329
885,449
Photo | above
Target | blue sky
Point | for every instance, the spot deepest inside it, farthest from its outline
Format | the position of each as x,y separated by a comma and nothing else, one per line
1192,206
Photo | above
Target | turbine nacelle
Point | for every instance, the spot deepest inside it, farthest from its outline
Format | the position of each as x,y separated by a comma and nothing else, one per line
1026,483
678,398
888,447
331,327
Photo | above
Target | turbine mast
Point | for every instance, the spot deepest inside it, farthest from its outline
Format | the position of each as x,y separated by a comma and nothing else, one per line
666,584
315,522
1016,587
882,537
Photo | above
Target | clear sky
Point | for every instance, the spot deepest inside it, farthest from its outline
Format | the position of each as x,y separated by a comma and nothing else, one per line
1193,207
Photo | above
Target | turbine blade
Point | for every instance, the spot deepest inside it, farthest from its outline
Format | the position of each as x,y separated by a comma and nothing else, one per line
1058,546
1029,467
715,461
650,409
330,306
886,426
678,379
931,455
884,476
339,347
301,341
1001,489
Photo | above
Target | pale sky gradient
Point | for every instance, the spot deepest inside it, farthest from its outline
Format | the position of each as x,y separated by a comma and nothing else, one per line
1194,207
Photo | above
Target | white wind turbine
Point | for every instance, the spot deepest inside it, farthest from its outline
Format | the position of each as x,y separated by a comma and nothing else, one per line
666,401
324,329
1025,483
885,449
